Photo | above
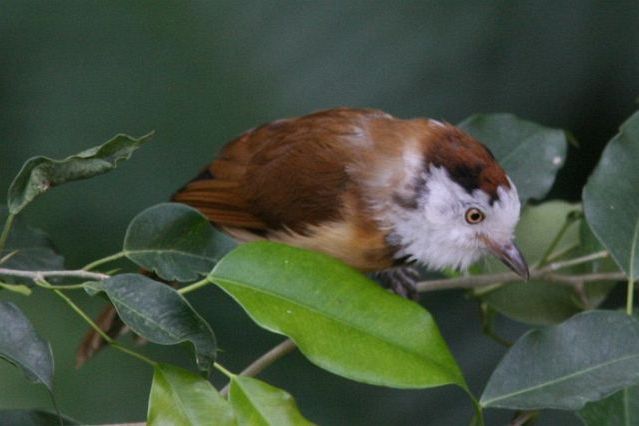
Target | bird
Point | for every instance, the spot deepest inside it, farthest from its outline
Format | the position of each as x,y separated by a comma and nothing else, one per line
379,193
376,192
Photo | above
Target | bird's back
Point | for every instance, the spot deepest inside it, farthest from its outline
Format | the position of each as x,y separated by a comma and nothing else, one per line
290,181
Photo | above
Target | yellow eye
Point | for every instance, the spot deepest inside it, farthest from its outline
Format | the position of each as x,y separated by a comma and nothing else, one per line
474,216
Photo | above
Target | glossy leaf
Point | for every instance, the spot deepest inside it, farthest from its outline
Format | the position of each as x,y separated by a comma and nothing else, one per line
28,249
179,397
584,359
341,321
158,313
33,418
611,197
23,347
619,409
530,153
259,404
39,174
175,241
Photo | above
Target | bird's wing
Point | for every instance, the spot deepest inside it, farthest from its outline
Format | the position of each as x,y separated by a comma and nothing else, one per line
286,175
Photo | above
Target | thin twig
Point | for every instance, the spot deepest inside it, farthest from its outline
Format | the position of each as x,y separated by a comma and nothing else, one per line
40,275
546,273
104,260
257,366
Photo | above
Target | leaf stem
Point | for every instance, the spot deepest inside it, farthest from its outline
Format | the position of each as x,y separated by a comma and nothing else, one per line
41,275
192,287
570,219
6,229
8,256
104,260
98,330
479,412
630,295
48,286
224,371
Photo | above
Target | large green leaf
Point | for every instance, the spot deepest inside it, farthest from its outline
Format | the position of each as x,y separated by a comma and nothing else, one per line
175,241
530,153
584,359
611,197
619,409
259,404
21,346
33,418
39,174
28,248
158,313
179,397
340,320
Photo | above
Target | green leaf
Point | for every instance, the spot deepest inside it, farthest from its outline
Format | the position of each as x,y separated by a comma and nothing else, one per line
22,347
595,292
259,404
536,301
342,321
530,153
584,359
611,197
28,249
39,174
159,313
179,397
33,418
16,288
175,241
619,409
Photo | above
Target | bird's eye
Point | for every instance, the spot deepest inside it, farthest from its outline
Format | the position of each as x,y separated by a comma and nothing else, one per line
474,216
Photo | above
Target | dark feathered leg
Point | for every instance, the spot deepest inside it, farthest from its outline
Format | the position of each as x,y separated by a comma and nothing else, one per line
402,280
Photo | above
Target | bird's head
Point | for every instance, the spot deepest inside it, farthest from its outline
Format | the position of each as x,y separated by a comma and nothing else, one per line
456,204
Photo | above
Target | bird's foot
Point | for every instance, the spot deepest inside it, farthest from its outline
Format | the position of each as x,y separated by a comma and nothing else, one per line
401,280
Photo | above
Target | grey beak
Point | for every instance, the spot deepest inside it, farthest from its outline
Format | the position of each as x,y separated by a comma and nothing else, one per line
511,256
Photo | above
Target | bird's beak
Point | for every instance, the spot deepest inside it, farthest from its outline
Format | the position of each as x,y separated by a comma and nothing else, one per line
510,255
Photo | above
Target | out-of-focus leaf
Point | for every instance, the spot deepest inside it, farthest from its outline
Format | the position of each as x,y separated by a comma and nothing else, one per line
22,347
535,301
158,313
619,409
259,404
39,174
175,241
179,397
341,321
530,153
595,292
28,249
33,418
611,197
584,359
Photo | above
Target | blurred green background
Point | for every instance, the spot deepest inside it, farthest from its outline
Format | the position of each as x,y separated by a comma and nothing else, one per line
74,73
